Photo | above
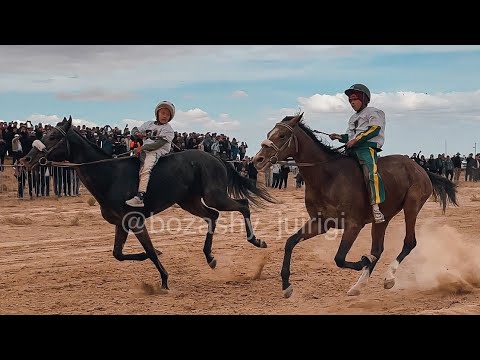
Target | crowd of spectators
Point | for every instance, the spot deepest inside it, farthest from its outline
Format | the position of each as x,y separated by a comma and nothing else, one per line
451,166
16,140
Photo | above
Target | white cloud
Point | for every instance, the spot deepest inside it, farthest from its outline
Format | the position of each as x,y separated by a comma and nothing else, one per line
199,120
400,104
131,123
239,94
191,120
434,123
414,120
44,119
124,68
324,103
195,119
95,95
55,119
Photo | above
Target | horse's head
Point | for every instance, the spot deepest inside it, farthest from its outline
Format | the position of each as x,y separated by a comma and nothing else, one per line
280,144
54,146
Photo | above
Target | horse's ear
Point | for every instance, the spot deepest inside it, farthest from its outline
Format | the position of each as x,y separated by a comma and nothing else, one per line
69,123
64,120
297,119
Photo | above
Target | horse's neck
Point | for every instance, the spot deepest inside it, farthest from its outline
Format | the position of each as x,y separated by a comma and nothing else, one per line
309,154
83,152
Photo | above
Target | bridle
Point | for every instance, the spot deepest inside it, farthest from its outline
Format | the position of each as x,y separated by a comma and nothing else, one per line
39,145
269,143
44,160
274,159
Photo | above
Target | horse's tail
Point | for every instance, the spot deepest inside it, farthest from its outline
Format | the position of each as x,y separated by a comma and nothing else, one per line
443,189
239,187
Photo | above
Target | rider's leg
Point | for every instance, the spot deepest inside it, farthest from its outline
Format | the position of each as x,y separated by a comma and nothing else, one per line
151,159
368,159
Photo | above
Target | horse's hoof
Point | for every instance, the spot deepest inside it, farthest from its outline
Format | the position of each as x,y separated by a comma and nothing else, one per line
213,263
353,292
163,291
262,244
288,292
388,284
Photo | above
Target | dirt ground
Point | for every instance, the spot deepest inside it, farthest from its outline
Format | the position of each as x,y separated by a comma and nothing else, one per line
56,258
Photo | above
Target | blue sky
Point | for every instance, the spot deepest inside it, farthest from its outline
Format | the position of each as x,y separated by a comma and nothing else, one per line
430,93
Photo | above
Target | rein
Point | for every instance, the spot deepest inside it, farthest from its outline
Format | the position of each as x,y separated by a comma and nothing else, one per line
41,147
69,164
325,161
274,159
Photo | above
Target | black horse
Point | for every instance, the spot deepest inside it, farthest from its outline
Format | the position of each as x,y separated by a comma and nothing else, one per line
197,181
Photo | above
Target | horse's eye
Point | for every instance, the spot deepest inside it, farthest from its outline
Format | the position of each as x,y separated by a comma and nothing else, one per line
281,136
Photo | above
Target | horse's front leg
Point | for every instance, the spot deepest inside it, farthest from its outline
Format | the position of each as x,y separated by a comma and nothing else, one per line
310,229
144,238
121,235
251,238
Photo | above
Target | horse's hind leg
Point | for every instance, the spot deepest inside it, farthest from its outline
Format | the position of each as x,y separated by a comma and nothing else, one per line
411,208
121,235
223,202
142,235
196,207
378,238
245,210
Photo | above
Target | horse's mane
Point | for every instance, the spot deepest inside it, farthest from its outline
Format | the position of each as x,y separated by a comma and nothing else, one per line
93,145
325,147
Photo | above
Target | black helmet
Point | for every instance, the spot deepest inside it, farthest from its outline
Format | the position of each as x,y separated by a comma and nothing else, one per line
358,87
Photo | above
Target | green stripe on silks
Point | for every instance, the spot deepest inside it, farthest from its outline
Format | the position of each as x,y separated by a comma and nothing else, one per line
367,157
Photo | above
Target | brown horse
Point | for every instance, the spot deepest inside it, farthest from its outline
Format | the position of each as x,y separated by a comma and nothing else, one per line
336,196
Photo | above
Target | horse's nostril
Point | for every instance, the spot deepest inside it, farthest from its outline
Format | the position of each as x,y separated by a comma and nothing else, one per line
26,159
260,159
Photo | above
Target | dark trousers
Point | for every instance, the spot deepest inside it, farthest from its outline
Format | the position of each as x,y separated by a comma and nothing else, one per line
276,180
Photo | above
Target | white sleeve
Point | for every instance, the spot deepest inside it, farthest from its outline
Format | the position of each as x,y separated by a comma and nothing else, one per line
377,118
168,134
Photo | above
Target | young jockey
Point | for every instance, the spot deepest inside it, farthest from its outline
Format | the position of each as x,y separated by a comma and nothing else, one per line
365,138
157,140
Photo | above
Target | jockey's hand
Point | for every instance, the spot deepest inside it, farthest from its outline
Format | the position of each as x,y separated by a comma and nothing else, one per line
351,143
335,136
137,150
139,135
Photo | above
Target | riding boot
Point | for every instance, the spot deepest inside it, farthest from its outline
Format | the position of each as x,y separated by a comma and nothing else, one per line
137,200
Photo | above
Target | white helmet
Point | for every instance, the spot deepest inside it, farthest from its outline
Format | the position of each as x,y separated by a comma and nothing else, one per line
167,105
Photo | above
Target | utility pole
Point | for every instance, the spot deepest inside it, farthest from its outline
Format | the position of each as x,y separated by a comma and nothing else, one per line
475,148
